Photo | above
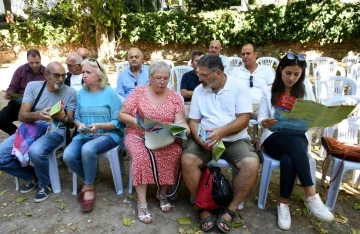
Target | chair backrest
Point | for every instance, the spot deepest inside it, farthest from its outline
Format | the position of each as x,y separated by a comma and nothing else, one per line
349,61
307,70
323,72
334,86
269,61
169,62
348,129
235,62
322,60
120,67
355,75
177,72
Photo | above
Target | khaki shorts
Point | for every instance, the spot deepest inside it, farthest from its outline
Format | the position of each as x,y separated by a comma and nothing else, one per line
187,109
234,152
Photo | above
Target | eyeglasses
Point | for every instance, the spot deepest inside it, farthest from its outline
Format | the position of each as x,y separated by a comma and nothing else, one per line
292,55
202,76
251,81
94,60
57,75
159,79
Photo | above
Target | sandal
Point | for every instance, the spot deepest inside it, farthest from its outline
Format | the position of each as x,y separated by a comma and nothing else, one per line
87,205
143,207
224,221
166,208
80,196
208,219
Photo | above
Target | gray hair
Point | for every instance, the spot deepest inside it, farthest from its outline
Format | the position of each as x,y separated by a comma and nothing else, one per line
77,57
100,71
212,62
159,66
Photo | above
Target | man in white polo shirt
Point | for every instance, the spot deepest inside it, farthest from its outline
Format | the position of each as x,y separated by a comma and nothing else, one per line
222,106
253,75
215,49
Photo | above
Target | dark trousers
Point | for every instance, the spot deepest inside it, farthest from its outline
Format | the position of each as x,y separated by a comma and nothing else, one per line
8,115
291,150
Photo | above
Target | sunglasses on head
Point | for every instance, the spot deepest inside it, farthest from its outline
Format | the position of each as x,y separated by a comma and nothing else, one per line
292,55
94,60
251,81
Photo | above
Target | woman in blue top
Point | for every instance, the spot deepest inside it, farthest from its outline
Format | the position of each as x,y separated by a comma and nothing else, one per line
99,129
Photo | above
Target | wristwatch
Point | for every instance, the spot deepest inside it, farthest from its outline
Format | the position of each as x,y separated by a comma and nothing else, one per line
66,119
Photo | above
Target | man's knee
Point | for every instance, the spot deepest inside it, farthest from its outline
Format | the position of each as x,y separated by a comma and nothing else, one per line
190,160
248,164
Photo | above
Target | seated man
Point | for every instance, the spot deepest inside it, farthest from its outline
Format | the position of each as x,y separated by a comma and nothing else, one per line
54,91
74,75
190,80
136,74
253,75
215,49
83,53
31,71
222,105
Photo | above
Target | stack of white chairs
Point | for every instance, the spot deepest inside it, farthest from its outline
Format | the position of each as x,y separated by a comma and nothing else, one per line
355,75
322,60
334,87
121,67
177,74
349,61
235,62
269,61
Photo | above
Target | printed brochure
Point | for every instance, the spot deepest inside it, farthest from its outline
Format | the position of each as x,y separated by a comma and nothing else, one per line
219,147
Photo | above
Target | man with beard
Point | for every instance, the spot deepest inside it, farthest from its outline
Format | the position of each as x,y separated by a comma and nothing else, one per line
215,49
135,75
223,107
31,71
54,91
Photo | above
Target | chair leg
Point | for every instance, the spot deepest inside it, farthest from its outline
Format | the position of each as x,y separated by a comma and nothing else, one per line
333,190
130,179
54,173
74,183
264,183
356,178
17,184
116,173
313,171
121,160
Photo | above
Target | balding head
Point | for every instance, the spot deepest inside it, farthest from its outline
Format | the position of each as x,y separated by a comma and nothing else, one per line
135,58
73,62
215,47
83,52
55,76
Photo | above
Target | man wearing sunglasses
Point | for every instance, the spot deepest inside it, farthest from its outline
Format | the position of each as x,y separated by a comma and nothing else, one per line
135,75
32,111
74,75
254,76
31,71
215,49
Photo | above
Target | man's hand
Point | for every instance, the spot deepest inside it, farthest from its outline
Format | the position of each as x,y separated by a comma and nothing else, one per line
204,144
44,114
8,97
214,136
60,115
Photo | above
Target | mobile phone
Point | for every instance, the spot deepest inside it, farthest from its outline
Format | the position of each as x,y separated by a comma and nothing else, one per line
84,129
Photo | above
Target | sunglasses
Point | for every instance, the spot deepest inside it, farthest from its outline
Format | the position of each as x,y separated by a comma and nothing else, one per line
57,75
292,55
94,60
251,81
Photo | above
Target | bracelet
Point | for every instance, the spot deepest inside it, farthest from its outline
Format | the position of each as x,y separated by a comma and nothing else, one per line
66,119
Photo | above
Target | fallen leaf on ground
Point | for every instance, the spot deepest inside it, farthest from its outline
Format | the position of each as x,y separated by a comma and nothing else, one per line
355,231
182,230
4,204
237,225
323,231
108,203
356,206
306,211
27,213
10,215
130,196
61,205
339,218
3,192
184,221
127,222
73,227
20,199
298,212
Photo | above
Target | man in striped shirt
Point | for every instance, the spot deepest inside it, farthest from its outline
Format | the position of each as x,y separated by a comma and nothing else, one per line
31,71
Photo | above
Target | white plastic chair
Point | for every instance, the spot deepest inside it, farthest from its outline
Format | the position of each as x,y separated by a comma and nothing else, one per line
269,61
349,61
121,67
53,170
117,167
334,86
323,72
178,72
307,70
269,164
322,60
235,62
169,62
355,75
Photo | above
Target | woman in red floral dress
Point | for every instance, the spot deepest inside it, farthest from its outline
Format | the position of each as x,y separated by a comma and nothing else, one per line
161,104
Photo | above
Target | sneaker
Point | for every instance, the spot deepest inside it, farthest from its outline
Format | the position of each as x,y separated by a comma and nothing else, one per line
284,219
43,194
317,207
29,186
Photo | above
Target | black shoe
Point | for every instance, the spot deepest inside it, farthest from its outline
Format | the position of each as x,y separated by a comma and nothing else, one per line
29,186
43,194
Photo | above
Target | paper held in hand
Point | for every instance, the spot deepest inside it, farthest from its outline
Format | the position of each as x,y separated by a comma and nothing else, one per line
56,108
298,115
219,147
148,124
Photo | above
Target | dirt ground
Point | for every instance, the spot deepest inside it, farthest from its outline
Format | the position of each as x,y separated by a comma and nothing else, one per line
61,212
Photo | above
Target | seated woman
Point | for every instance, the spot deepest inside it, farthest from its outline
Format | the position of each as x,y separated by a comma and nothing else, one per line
158,103
96,118
289,147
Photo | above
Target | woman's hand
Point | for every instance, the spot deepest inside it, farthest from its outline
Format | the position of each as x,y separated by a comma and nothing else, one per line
269,122
83,129
93,127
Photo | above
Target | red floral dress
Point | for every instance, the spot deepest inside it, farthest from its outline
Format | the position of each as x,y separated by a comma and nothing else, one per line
167,158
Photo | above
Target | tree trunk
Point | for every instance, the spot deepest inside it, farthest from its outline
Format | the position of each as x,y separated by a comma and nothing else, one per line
111,38
102,43
8,12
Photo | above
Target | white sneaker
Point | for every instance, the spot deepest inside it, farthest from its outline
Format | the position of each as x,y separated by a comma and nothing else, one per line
317,207
284,219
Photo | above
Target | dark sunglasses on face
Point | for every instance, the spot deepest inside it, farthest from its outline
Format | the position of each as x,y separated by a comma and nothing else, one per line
251,81
292,55
57,75
94,60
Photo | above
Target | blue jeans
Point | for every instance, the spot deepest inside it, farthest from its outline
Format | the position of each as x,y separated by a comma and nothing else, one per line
38,153
82,154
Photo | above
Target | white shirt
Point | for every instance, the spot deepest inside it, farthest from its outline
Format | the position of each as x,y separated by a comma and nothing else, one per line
75,82
226,63
219,109
263,76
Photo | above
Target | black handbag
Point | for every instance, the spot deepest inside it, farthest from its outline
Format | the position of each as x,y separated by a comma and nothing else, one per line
222,193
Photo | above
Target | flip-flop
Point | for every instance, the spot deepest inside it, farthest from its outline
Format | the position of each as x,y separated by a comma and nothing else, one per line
208,219
224,221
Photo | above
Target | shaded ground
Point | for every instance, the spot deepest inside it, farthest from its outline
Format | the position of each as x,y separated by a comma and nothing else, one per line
61,212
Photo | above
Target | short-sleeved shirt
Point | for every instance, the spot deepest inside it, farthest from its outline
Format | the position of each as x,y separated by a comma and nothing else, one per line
226,63
127,82
219,109
263,76
48,99
189,81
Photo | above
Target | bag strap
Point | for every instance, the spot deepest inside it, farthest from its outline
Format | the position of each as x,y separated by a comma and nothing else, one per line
155,174
38,96
337,173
